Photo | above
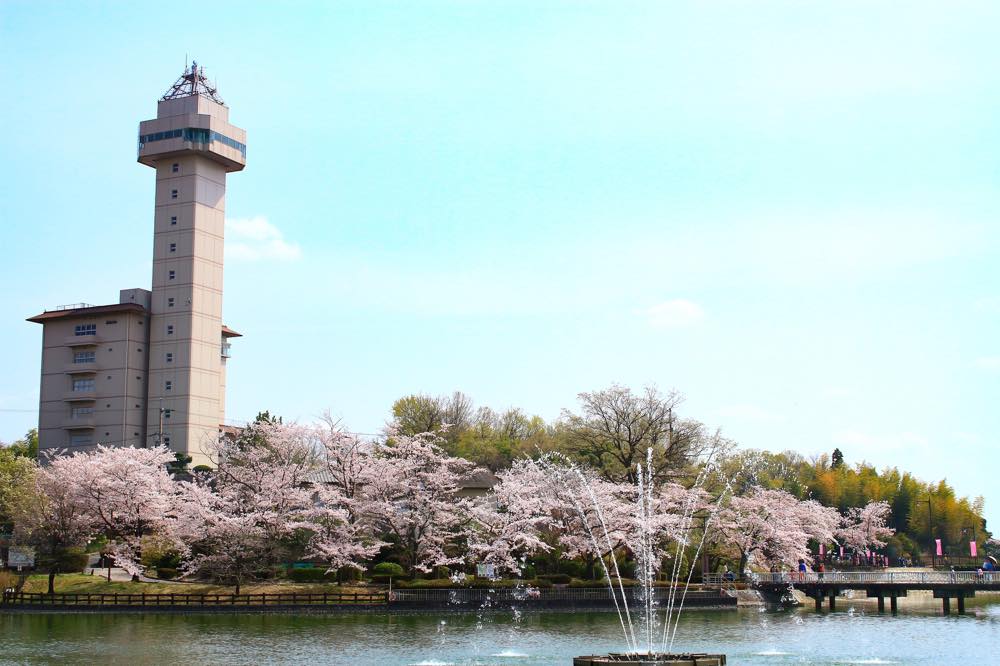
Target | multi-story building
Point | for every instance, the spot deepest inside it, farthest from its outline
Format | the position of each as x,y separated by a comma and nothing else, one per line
151,368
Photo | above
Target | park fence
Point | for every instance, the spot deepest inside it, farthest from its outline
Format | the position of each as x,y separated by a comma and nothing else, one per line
398,599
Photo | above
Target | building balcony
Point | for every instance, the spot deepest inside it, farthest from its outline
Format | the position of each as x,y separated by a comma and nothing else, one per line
83,341
80,368
80,396
79,423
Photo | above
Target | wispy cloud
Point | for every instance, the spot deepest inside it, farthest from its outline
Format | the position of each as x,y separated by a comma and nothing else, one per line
256,239
988,362
676,313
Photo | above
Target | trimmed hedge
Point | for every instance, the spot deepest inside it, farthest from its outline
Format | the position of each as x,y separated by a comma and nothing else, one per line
311,575
166,573
557,578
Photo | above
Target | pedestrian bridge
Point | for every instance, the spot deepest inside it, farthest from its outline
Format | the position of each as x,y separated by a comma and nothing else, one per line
946,585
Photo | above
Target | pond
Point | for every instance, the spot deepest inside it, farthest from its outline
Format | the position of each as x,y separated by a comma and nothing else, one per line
856,635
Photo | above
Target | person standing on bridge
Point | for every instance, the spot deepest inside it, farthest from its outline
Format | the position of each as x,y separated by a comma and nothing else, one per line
802,570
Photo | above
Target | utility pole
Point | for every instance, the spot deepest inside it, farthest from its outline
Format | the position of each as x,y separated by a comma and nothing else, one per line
159,433
930,532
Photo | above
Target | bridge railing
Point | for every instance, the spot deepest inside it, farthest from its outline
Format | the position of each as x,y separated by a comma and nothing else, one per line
883,577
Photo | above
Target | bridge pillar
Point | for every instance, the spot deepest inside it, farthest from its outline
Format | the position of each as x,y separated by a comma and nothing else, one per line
961,604
881,603
819,602
893,607
946,605
833,600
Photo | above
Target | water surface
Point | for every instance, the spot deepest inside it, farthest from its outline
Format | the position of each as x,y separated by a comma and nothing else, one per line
748,636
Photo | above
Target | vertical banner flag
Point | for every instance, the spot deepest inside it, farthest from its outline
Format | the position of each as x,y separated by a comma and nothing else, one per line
822,551
937,545
841,552
972,548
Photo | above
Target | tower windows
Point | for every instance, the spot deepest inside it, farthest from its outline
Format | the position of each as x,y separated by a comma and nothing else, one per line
175,168
85,329
84,385
166,413
168,385
173,220
80,412
84,356
173,247
170,329
170,302
173,194
170,357
80,440
171,275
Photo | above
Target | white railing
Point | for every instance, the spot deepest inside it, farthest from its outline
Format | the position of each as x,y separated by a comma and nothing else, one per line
883,577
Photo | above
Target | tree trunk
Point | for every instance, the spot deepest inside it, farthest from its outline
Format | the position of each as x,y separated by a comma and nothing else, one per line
52,582
237,587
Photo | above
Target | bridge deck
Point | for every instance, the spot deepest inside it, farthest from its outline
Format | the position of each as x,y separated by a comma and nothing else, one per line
863,580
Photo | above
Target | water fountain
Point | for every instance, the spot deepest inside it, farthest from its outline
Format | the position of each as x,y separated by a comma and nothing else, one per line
642,647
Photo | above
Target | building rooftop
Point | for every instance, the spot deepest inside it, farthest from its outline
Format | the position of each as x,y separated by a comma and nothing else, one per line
84,310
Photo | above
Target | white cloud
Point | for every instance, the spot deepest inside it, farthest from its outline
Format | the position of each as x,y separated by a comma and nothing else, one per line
676,313
988,362
750,413
256,239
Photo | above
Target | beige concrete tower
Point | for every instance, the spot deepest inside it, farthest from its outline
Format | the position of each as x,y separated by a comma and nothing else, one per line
192,146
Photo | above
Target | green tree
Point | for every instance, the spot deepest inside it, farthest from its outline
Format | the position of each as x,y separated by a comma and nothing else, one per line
837,459
27,446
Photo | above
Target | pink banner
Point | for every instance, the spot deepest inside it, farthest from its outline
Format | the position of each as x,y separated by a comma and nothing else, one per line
822,550
937,545
841,552
972,548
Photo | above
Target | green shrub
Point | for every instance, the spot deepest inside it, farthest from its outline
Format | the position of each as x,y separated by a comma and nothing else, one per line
557,578
201,468
166,573
71,560
528,571
311,575
388,569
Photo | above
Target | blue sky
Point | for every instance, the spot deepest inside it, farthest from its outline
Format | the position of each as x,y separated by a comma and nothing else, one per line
787,211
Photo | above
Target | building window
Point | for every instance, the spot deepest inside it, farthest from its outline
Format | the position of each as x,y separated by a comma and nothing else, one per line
84,356
166,413
166,440
173,247
170,302
83,384
173,194
168,385
173,220
170,329
111,322
171,275
78,412
175,168
170,357
80,440
85,329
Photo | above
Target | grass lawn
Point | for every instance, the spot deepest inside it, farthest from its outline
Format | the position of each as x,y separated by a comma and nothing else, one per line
96,584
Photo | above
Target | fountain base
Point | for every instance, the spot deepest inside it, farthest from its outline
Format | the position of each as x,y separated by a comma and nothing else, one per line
656,659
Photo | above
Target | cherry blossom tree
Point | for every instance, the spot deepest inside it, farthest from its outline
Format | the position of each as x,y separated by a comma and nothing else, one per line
771,527
414,494
865,527
125,491
52,518
238,521
511,523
